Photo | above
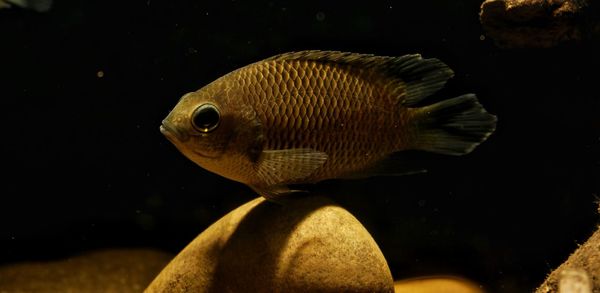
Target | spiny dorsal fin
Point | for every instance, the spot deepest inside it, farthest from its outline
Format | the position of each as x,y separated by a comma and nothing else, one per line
419,77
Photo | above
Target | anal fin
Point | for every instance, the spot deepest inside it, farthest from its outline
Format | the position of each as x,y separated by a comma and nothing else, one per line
272,193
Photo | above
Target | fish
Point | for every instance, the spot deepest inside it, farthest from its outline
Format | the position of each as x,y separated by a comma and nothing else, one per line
307,116
36,5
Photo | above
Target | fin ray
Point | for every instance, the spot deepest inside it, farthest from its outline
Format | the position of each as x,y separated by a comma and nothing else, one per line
273,192
415,78
281,166
454,126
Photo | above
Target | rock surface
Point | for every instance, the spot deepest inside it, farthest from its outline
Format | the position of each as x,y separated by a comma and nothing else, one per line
118,271
537,23
581,270
297,245
440,284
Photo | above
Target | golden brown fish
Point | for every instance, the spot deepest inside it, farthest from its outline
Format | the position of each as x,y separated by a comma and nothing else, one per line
307,116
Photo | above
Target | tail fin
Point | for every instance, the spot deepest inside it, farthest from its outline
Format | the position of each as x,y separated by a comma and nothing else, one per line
454,126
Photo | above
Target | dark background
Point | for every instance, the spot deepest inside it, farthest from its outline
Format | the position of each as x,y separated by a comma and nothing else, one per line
85,167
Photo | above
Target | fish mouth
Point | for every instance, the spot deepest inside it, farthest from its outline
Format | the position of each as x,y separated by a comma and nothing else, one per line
172,133
178,137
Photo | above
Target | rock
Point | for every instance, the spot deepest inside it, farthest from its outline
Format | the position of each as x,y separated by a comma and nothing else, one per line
119,271
579,273
297,245
439,284
537,23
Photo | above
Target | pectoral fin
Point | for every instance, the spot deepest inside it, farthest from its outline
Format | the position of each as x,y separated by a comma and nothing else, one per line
279,167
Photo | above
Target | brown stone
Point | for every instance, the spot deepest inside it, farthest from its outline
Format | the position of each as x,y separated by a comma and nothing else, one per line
297,245
581,270
118,271
536,23
437,284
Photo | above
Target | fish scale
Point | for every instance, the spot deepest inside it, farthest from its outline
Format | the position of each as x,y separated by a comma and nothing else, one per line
342,99
303,117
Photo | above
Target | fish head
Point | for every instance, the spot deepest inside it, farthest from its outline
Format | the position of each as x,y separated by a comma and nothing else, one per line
210,128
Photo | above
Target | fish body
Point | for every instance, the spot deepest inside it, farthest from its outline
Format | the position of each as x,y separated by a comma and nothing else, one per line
304,117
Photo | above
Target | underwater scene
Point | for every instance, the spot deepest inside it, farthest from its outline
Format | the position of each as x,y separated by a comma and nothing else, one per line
300,146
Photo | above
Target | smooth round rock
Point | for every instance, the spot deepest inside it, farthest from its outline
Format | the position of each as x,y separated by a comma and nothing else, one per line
437,284
109,271
297,245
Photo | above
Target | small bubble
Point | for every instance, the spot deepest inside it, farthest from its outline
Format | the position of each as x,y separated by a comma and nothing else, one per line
481,37
100,74
320,16
390,6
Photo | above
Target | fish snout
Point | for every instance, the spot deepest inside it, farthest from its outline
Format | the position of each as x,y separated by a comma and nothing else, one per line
172,132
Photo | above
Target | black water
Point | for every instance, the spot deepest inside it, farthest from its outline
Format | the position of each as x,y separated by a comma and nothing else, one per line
85,166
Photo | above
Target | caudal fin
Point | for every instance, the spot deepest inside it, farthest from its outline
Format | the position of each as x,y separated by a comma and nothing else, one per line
454,126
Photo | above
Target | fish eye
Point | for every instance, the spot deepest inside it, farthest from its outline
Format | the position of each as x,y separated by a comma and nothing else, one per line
206,118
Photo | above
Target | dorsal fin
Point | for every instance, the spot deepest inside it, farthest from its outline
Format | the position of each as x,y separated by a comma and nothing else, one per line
420,77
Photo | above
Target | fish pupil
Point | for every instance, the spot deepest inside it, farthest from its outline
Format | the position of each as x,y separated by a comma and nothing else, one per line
206,118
